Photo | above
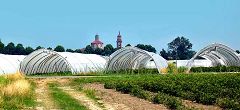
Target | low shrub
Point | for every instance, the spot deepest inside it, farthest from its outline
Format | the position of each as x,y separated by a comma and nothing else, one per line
182,69
170,101
124,87
138,92
228,104
216,69
172,68
110,85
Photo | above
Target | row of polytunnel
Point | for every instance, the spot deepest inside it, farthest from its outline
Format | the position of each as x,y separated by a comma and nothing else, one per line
48,61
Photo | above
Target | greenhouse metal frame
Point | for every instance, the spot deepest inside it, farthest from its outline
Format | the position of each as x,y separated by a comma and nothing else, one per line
218,54
48,61
134,58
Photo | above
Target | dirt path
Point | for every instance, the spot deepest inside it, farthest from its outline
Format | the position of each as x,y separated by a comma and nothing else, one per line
44,101
82,98
123,101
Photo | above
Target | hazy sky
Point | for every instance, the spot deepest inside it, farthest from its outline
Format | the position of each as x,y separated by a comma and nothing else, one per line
74,23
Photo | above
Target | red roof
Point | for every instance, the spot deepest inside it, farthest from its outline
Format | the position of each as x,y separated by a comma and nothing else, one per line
97,42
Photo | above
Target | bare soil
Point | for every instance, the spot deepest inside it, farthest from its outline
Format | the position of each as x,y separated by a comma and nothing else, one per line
44,101
120,101
194,105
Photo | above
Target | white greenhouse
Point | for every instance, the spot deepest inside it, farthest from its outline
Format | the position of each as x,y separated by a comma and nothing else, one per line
135,58
218,54
9,64
48,61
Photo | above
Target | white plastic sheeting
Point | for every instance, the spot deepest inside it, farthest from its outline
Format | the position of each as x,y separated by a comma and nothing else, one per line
48,61
134,58
9,64
218,54
196,63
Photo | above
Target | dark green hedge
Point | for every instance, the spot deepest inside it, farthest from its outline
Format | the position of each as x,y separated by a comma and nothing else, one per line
134,71
216,69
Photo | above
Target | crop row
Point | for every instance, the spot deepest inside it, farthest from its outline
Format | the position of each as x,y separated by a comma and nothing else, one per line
210,89
216,69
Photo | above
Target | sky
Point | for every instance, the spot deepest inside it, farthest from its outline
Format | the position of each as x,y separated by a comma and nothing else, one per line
74,23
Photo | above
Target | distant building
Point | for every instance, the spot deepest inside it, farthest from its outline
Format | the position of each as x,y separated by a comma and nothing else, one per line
119,40
97,43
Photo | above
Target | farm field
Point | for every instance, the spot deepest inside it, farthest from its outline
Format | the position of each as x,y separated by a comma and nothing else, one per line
124,92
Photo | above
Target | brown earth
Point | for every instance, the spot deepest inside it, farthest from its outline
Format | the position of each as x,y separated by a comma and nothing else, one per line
121,101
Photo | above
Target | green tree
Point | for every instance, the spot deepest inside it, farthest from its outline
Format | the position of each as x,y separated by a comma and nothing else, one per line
98,51
108,49
49,48
39,47
59,48
78,51
128,45
238,51
181,48
164,54
1,46
29,50
9,49
88,50
148,48
20,50
69,50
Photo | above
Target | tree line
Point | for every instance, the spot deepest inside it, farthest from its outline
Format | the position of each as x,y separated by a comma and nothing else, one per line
180,48
19,49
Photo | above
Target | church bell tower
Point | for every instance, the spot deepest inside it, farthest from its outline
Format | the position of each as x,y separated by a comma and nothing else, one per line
119,40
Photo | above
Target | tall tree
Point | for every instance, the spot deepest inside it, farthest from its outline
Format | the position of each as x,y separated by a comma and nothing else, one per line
78,51
98,51
29,50
9,49
1,46
39,47
148,48
181,48
88,50
59,48
20,50
108,49
164,54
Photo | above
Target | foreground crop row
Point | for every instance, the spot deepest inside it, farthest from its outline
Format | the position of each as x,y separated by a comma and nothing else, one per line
210,89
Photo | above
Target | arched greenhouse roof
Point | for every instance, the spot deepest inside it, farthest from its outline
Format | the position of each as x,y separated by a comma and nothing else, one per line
9,64
48,61
134,58
218,54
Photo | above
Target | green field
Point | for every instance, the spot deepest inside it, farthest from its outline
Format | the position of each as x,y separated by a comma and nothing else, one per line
209,89
221,89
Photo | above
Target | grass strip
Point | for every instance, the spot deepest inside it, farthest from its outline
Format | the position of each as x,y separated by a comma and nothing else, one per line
90,93
64,100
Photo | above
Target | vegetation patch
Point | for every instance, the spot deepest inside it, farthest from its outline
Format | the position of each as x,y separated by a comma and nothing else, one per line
209,89
215,69
16,92
64,100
